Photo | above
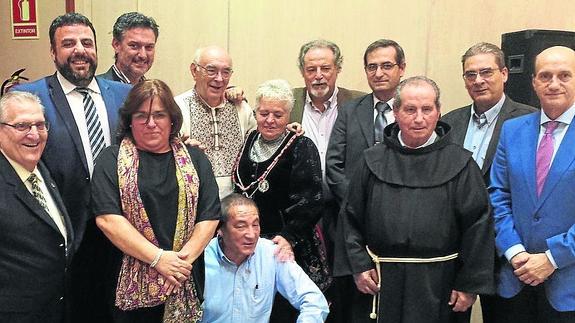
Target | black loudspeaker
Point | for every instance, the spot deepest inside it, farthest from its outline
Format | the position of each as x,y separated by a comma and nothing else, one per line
521,48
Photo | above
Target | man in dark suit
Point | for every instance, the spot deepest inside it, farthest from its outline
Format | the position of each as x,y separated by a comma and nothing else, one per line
36,240
476,127
532,188
83,113
316,108
354,131
134,44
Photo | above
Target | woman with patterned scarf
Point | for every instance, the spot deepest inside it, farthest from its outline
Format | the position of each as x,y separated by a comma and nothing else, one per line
281,172
157,201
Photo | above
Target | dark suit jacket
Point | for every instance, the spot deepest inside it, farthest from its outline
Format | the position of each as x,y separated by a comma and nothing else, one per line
343,96
459,122
64,154
33,258
350,136
110,75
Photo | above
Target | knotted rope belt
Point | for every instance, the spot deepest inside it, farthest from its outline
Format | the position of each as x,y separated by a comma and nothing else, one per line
378,260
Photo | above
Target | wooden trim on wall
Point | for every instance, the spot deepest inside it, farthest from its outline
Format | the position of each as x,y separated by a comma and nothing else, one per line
70,6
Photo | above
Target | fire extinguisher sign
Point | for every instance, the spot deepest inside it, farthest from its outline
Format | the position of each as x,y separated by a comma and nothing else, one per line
24,19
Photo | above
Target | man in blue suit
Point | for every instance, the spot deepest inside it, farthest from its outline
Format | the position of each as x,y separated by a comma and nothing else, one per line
532,188
73,145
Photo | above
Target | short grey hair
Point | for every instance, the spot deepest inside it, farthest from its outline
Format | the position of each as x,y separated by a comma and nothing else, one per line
233,200
275,90
17,96
320,43
485,48
415,81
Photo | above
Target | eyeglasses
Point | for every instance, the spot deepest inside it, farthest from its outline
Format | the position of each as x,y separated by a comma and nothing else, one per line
372,68
144,118
485,73
26,127
211,71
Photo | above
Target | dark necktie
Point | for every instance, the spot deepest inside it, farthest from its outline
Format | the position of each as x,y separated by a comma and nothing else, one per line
480,120
380,121
544,154
95,132
37,192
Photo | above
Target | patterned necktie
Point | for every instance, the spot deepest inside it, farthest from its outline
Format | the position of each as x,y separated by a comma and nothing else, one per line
95,132
480,120
544,154
380,121
37,192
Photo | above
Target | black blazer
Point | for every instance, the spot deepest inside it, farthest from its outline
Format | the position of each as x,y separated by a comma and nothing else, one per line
459,121
33,259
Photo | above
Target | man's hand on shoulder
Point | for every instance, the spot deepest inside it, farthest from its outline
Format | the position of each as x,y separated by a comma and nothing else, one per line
296,127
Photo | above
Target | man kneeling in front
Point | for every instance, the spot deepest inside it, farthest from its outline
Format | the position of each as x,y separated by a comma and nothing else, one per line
243,273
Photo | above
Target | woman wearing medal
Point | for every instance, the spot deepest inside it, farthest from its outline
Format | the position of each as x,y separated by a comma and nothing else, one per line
281,172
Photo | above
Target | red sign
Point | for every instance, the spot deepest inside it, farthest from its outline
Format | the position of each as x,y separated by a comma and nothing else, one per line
24,19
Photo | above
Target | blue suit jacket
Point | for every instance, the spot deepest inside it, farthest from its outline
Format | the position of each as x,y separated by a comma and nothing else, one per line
64,154
539,223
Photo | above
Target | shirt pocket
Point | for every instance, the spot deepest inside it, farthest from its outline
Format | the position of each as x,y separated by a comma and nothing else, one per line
262,299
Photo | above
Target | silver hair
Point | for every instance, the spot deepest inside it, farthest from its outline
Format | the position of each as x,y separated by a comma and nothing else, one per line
275,90
416,80
320,43
485,48
17,96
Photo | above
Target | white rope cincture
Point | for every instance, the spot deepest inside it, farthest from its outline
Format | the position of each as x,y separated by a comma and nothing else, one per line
378,260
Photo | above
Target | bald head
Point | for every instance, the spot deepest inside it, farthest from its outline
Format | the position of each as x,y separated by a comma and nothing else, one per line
211,69
554,80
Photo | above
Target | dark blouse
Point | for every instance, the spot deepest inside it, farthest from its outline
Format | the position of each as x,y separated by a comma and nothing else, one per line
158,188
292,204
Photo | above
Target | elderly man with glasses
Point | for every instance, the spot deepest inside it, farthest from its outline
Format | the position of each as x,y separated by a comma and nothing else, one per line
219,125
37,235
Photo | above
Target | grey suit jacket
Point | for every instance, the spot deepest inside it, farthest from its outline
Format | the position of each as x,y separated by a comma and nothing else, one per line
459,121
343,96
350,136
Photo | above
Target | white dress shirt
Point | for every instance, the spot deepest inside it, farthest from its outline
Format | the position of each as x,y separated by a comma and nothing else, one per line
75,100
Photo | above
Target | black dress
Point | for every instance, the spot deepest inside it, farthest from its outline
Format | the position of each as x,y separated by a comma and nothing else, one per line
292,204
422,203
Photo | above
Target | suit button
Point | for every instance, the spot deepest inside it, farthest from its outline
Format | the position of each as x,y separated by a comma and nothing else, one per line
61,245
253,176
61,298
537,219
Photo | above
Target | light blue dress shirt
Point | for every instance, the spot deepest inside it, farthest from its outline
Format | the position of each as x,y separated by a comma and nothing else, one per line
478,136
245,293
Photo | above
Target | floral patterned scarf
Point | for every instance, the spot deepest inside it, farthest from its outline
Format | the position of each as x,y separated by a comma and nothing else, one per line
139,285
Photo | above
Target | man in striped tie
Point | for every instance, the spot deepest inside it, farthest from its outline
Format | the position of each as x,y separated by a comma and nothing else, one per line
532,189
83,113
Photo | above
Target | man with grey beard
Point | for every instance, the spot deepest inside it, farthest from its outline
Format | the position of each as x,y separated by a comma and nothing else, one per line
83,113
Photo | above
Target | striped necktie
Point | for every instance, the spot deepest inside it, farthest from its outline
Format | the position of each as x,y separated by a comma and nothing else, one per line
95,132
37,192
